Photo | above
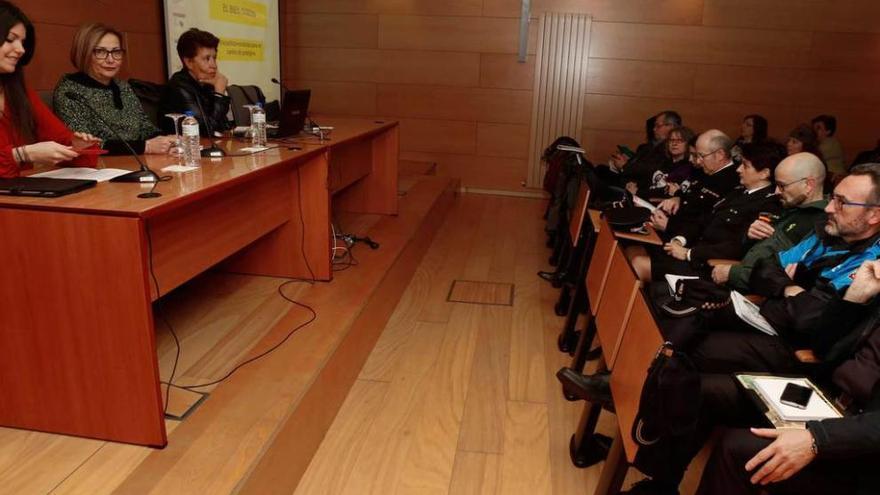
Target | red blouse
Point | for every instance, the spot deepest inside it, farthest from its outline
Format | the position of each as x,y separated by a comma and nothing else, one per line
48,128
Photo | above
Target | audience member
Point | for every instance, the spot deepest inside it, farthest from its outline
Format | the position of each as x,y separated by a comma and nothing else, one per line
675,170
29,132
852,371
719,232
649,158
753,129
799,183
803,139
198,87
867,156
97,53
825,127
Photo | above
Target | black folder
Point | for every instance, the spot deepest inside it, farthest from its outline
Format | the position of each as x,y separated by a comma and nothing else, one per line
43,186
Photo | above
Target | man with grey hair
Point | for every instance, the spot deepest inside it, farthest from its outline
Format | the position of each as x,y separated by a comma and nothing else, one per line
650,157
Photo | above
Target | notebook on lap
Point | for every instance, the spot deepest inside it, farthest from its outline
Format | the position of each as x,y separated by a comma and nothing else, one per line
43,187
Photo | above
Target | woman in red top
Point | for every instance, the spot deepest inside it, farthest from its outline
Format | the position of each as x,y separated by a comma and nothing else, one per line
29,133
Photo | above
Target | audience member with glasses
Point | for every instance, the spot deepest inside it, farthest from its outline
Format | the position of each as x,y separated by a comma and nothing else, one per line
98,53
29,132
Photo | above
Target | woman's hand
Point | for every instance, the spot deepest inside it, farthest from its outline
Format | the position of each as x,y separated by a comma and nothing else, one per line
159,145
49,153
83,140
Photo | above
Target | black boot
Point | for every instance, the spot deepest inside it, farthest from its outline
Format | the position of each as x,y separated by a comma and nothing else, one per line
594,388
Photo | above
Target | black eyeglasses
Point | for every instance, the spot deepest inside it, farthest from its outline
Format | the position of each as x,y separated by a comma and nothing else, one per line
103,53
839,202
783,185
702,156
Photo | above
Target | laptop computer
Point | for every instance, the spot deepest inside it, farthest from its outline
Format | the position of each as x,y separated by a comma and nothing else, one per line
43,187
294,109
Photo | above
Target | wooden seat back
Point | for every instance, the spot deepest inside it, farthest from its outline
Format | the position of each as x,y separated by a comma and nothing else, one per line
640,341
579,218
621,287
600,262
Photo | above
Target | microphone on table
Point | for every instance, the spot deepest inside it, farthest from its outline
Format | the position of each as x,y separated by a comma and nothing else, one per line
213,151
145,174
284,89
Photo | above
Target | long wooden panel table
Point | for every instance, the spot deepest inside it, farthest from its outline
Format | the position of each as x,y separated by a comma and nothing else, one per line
78,353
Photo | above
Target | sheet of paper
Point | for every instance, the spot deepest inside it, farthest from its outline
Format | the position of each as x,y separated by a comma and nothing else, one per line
254,149
770,388
644,204
86,173
750,313
179,168
672,280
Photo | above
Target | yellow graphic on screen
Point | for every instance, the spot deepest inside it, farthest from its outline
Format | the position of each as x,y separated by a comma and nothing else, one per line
240,50
239,12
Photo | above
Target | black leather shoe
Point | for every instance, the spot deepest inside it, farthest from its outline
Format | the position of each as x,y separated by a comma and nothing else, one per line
594,388
549,276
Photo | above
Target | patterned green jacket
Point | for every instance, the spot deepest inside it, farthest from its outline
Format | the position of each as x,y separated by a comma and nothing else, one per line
116,103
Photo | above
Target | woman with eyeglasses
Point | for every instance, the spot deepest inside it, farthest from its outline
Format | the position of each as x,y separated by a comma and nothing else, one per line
676,170
97,53
29,132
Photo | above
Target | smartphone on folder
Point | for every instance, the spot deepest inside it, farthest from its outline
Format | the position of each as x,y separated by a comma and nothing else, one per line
796,395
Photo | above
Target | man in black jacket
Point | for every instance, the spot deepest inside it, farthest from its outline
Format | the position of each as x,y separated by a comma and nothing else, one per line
717,180
651,156
199,87
850,371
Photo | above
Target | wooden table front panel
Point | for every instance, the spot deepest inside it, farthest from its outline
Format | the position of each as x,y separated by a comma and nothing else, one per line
77,345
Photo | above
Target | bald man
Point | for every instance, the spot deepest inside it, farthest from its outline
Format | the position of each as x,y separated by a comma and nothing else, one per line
799,183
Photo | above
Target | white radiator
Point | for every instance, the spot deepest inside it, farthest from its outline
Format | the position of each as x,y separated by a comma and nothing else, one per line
560,84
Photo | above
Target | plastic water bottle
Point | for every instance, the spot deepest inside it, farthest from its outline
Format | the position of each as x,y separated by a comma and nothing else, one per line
258,126
189,140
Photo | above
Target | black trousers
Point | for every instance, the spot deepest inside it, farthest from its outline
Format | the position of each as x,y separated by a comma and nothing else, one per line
726,475
721,403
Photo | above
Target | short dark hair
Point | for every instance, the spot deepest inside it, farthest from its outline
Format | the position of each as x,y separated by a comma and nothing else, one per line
760,126
872,170
762,156
671,117
189,42
829,121
807,136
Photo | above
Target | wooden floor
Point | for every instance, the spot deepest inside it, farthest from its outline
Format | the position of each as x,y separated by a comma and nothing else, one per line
461,398
456,397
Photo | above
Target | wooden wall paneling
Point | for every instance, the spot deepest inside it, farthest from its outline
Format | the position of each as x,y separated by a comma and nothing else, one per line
338,98
145,58
505,72
815,15
647,11
100,383
48,64
143,16
438,135
639,78
411,7
387,66
755,84
694,44
331,30
447,103
853,51
507,140
464,34
600,143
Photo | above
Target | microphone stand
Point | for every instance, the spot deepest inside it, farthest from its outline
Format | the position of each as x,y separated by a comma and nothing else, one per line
145,174
213,151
